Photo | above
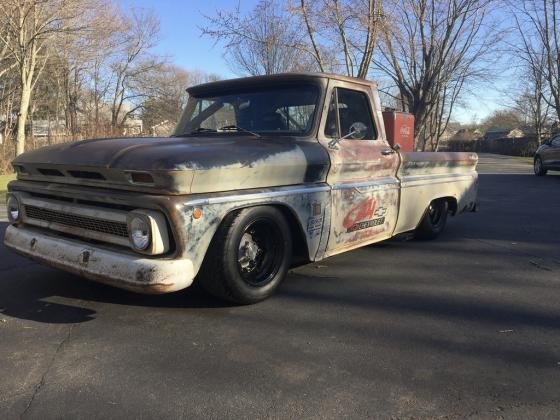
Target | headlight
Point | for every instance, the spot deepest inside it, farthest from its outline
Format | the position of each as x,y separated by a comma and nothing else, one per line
140,232
147,231
13,207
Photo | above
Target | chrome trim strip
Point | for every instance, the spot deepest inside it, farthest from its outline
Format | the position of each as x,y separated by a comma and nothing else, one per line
381,183
413,178
362,184
410,182
256,196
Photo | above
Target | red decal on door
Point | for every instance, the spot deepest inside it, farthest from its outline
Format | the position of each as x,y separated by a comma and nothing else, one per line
362,211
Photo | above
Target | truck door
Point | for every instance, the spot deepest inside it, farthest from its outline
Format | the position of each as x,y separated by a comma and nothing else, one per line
365,189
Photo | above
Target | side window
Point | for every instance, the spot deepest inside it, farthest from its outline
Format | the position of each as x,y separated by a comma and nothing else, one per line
331,126
354,114
556,142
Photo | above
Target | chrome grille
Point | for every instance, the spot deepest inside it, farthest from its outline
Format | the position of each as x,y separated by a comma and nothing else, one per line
72,220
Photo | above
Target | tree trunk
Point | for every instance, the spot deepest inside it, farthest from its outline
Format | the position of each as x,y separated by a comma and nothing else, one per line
22,118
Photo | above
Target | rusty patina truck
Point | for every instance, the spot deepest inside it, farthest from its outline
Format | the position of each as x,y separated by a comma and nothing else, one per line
260,173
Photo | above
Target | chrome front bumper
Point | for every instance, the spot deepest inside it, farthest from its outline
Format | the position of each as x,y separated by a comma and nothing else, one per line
123,270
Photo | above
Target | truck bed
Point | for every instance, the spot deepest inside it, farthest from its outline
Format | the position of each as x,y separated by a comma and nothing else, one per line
425,176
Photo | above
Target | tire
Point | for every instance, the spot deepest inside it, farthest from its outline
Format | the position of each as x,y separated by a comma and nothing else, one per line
434,220
538,167
249,256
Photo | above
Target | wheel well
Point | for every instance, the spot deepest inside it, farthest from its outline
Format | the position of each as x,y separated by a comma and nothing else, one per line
300,252
452,203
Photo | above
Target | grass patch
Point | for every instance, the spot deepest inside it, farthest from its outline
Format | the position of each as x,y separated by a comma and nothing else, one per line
4,179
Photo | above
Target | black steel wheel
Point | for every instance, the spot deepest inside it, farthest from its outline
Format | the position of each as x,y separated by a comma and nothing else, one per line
260,252
249,256
538,166
434,220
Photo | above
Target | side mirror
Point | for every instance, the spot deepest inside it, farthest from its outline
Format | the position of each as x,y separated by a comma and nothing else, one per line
358,131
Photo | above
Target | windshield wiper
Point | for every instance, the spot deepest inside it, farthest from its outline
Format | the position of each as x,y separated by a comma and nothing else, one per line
201,130
237,128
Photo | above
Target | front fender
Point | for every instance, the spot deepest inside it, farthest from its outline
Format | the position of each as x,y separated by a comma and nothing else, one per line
202,215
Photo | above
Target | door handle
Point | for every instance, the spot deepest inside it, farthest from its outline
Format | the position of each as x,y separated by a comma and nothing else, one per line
387,152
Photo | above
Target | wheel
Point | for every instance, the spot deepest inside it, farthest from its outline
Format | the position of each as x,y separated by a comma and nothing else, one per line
249,256
538,167
434,220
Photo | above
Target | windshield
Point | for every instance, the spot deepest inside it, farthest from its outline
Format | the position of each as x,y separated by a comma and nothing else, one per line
284,110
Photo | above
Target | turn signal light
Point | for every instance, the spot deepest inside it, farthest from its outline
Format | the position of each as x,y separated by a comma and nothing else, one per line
197,213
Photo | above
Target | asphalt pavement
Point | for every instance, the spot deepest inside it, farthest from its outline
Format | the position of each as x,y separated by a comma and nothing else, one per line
467,325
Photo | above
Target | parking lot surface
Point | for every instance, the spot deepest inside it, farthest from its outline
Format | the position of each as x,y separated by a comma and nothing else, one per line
466,325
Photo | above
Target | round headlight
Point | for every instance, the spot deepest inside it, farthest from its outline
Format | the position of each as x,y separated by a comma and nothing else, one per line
13,208
139,232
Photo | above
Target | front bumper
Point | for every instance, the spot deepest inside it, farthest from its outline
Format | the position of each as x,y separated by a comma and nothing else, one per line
123,270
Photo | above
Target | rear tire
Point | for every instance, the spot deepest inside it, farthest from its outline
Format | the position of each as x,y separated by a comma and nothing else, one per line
249,256
434,220
538,167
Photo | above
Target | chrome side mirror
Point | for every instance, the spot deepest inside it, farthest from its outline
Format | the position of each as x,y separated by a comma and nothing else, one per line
358,131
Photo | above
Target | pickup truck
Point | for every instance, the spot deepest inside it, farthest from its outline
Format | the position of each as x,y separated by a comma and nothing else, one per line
261,173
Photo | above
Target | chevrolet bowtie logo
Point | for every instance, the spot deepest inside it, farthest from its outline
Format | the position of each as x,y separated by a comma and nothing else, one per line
381,211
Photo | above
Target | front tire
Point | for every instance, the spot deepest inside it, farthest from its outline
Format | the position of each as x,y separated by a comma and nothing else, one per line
249,256
434,220
538,167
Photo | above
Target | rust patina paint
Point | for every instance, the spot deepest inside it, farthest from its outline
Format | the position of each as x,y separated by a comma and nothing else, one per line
336,198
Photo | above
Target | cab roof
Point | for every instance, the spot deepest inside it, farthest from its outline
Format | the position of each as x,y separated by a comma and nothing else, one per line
318,78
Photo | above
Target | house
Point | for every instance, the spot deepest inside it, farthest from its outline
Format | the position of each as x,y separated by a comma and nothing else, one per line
133,127
48,128
162,129
465,134
503,133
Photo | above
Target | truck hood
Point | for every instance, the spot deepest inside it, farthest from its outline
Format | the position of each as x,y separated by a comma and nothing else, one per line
180,165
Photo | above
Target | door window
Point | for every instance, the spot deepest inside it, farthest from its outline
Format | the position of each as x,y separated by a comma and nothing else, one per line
331,126
349,112
556,142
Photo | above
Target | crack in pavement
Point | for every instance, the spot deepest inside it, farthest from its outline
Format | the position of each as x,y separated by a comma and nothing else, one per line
538,265
518,252
47,370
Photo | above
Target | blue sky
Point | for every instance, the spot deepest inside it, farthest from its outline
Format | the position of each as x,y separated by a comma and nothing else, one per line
181,40
181,36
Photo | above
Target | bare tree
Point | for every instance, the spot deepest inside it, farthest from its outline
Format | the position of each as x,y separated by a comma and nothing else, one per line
537,23
532,101
265,41
77,55
31,25
133,66
503,118
161,112
342,34
431,50
338,36
6,61
165,107
105,41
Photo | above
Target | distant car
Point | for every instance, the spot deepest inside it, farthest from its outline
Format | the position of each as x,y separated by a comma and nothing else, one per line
547,156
